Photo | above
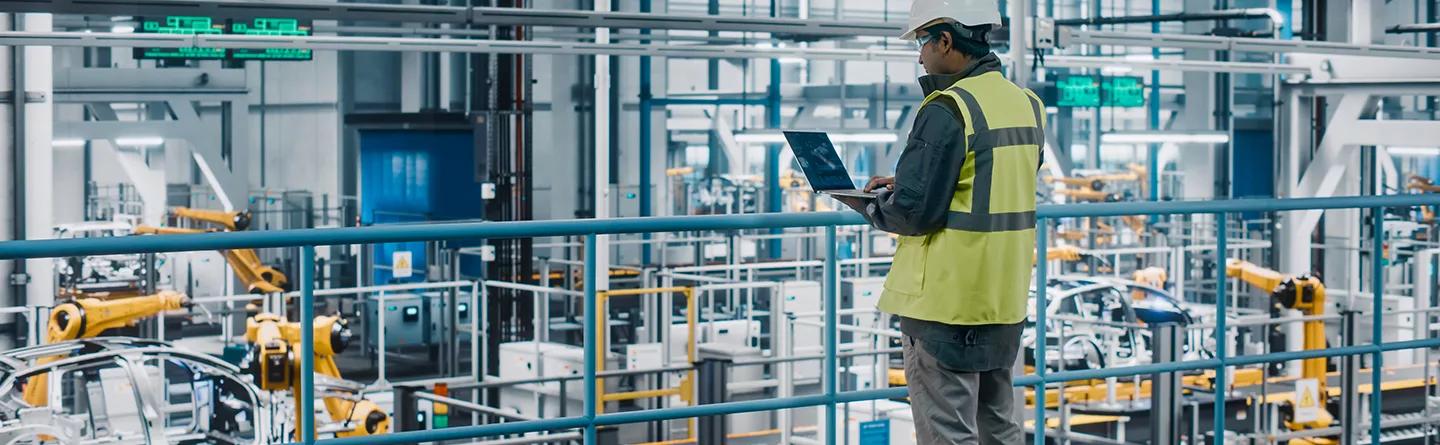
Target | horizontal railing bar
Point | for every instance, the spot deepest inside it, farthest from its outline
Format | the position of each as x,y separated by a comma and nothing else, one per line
472,406
566,378
1267,321
462,432
531,229
846,397
1113,324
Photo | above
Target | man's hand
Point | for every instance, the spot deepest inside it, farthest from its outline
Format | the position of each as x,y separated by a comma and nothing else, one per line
888,182
852,202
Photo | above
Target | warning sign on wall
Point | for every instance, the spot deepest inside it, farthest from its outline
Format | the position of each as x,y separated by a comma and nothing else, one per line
402,264
1307,400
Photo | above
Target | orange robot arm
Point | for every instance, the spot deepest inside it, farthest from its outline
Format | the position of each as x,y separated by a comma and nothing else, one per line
90,317
279,341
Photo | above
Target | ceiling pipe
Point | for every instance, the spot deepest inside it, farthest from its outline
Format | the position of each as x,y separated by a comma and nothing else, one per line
1414,28
1224,14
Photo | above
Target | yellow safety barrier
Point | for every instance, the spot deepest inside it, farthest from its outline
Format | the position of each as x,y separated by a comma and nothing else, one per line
685,390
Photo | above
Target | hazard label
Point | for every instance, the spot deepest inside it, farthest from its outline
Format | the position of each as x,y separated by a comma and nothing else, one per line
1307,400
401,264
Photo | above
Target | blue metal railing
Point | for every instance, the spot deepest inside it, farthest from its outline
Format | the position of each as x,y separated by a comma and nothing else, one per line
306,240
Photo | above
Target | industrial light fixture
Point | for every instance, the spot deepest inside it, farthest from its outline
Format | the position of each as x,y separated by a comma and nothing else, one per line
139,141
1116,70
872,137
1413,151
67,143
122,29
1165,138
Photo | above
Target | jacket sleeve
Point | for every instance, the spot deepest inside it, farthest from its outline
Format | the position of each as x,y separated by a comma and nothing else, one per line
925,176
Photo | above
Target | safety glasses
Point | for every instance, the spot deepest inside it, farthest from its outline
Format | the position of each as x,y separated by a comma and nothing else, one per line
921,41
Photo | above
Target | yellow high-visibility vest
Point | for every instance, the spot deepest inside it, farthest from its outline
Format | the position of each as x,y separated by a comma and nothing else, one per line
977,270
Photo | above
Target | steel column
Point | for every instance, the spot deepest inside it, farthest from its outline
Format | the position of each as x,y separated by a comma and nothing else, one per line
1377,290
1221,340
307,345
1042,305
591,306
646,135
831,333
772,153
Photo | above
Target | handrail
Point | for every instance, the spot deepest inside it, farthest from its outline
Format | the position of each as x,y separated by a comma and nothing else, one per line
34,249
307,239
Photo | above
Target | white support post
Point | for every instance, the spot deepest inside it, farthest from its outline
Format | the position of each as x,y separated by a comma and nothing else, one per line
39,156
602,152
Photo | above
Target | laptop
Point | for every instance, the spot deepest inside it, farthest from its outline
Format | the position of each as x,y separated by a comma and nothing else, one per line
822,166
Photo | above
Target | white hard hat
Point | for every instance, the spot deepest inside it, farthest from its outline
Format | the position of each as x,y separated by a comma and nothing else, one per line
965,12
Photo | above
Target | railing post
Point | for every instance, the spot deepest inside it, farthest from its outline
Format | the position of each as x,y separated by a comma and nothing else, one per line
1377,276
1349,386
591,307
307,345
830,333
1165,389
713,377
1221,313
406,409
1042,265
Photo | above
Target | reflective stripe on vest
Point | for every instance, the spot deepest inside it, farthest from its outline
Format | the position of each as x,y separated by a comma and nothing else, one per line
982,142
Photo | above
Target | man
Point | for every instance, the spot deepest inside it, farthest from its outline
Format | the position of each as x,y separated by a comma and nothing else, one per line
963,202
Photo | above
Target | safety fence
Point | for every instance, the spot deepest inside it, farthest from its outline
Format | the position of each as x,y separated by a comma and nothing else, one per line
591,230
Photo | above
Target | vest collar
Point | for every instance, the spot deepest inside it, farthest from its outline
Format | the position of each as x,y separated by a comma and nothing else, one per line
931,83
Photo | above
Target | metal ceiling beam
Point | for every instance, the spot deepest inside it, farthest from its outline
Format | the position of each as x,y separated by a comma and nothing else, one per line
1152,40
481,16
1175,65
351,43
392,44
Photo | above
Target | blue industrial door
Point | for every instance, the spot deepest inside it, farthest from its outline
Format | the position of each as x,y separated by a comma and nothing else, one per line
416,176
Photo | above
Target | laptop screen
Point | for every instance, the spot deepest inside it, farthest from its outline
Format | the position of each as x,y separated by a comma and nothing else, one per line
819,160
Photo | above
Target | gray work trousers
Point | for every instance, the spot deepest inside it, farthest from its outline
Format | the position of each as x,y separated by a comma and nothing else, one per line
961,408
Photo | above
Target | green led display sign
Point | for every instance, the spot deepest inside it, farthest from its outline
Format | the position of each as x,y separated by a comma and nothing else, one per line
180,25
1127,92
195,25
1078,91
1092,91
270,27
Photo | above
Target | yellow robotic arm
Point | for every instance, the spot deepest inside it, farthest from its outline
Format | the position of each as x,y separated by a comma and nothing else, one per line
258,277
1422,184
90,317
277,343
1305,294
231,221
1151,276
1089,195
1065,253
1134,172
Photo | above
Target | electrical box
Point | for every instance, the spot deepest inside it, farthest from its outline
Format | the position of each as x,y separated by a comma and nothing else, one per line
741,333
413,319
528,360
1044,33
803,297
756,421
861,293
406,318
